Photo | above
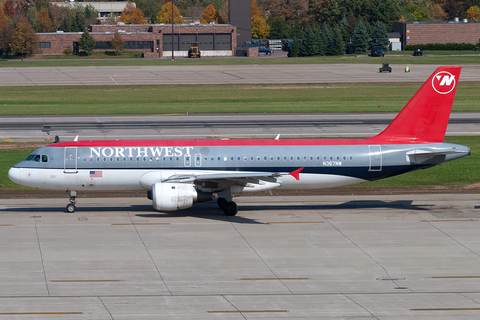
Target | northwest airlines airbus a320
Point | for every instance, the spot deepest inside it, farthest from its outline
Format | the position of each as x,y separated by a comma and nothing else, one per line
178,173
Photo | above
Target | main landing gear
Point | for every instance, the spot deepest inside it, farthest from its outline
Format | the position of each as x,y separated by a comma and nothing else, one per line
73,199
229,207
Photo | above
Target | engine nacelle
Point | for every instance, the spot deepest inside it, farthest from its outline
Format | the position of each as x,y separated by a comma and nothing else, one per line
176,196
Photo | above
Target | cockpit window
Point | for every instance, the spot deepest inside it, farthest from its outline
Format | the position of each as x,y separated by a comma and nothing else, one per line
37,158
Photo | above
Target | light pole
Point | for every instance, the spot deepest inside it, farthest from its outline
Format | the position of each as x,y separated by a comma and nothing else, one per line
173,57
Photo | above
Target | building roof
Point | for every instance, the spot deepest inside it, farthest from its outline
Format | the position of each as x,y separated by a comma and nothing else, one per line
112,6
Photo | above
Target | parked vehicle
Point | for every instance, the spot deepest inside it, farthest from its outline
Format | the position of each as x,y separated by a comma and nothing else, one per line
194,50
418,52
377,51
261,49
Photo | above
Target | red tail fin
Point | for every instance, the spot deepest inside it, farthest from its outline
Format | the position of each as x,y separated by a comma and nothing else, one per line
425,117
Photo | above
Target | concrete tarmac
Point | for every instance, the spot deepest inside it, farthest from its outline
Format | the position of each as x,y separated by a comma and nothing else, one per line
183,126
302,257
220,74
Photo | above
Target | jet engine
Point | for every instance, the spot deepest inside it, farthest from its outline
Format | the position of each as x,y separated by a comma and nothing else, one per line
176,196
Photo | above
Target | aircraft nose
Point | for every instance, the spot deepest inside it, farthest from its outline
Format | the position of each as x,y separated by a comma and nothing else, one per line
14,174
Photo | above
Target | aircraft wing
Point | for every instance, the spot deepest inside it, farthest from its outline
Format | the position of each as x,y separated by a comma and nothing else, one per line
232,176
240,177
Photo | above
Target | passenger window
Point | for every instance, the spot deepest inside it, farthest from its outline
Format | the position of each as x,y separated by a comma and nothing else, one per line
45,158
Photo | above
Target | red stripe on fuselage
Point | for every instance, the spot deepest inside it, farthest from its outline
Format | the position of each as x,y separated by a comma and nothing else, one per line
227,143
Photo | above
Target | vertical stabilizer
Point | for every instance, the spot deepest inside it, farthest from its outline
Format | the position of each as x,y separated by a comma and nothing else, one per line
425,117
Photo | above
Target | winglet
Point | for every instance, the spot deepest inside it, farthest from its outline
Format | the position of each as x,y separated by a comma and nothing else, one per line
296,173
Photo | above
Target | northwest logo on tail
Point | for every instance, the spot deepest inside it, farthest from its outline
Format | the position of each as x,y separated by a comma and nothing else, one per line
443,82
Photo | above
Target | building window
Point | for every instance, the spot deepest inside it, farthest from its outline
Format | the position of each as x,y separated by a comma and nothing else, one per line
102,45
138,44
43,45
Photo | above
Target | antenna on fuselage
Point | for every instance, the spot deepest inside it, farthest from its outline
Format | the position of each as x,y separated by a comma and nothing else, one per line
277,137
76,139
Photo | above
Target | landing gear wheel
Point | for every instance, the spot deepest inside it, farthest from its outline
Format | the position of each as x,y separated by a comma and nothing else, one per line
73,199
70,208
221,202
230,209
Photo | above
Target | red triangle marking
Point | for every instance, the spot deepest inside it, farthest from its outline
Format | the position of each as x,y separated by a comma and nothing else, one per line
296,173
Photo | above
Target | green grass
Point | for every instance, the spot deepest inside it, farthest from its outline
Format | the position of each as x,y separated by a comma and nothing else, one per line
288,98
462,172
430,57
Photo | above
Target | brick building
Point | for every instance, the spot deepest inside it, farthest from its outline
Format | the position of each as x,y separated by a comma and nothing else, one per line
423,32
153,40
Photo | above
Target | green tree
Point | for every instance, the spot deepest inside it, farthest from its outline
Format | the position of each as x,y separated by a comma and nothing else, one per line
24,39
380,36
310,43
87,42
294,50
278,29
330,49
360,39
336,42
117,43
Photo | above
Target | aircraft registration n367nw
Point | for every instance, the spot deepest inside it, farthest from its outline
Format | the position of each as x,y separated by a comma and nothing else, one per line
178,173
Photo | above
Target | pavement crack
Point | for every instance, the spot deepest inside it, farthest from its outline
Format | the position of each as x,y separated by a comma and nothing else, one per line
41,254
148,252
360,248
358,304
458,242
261,259
111,316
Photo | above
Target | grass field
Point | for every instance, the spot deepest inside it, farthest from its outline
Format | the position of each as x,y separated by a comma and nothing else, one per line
463,172
289,98
101,59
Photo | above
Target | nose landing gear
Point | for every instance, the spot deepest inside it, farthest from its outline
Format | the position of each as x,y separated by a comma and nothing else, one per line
73,199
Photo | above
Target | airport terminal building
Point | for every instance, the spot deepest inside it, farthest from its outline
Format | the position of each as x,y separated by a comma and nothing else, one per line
153,40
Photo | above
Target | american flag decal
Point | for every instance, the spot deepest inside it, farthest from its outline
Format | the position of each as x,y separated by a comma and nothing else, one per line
95,174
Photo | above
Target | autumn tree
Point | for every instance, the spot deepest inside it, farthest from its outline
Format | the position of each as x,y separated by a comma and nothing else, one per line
260,27
8,9
58,15
473,13
132,15
6,32
87,42
24,40
165,15
292,11
45,24
436,13
210,15
117,43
